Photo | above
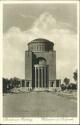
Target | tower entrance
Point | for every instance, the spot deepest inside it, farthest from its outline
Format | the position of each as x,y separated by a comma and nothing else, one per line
41,76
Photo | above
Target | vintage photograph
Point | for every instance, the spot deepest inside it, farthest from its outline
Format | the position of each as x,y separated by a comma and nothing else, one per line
40,72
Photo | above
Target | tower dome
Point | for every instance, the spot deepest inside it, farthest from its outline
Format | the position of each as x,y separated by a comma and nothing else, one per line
40,44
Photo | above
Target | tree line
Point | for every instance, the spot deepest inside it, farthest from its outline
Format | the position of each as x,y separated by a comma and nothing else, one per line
11,83
67,85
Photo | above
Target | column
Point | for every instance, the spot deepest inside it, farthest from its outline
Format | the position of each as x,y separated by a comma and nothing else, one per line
45,77
38,77
42,77
35,77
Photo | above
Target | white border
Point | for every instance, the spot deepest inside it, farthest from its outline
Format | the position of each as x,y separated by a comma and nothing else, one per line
29,120
1,59
78,59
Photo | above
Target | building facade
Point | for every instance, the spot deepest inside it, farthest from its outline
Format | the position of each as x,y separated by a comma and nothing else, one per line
40,64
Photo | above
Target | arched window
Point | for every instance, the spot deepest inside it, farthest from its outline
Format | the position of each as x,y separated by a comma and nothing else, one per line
41,61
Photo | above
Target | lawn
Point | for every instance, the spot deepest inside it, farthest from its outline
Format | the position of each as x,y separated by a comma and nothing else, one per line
39,104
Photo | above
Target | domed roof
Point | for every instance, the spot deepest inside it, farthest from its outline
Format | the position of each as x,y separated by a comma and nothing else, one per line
42,40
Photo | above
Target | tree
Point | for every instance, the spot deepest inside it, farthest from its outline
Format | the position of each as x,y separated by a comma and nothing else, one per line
16,82
6,85
75,75
63,87
66,81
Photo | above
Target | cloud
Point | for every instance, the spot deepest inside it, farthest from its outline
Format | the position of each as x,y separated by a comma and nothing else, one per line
46,26
14,46
27,16
45,23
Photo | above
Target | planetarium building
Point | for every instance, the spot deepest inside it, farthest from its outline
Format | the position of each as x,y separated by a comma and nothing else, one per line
40,64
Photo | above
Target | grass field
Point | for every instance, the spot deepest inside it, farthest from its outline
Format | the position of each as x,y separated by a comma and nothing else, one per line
39,104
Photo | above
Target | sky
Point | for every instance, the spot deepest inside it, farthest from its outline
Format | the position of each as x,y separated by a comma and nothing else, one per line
25,22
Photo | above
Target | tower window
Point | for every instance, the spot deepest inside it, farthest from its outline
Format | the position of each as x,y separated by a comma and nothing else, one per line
37,47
